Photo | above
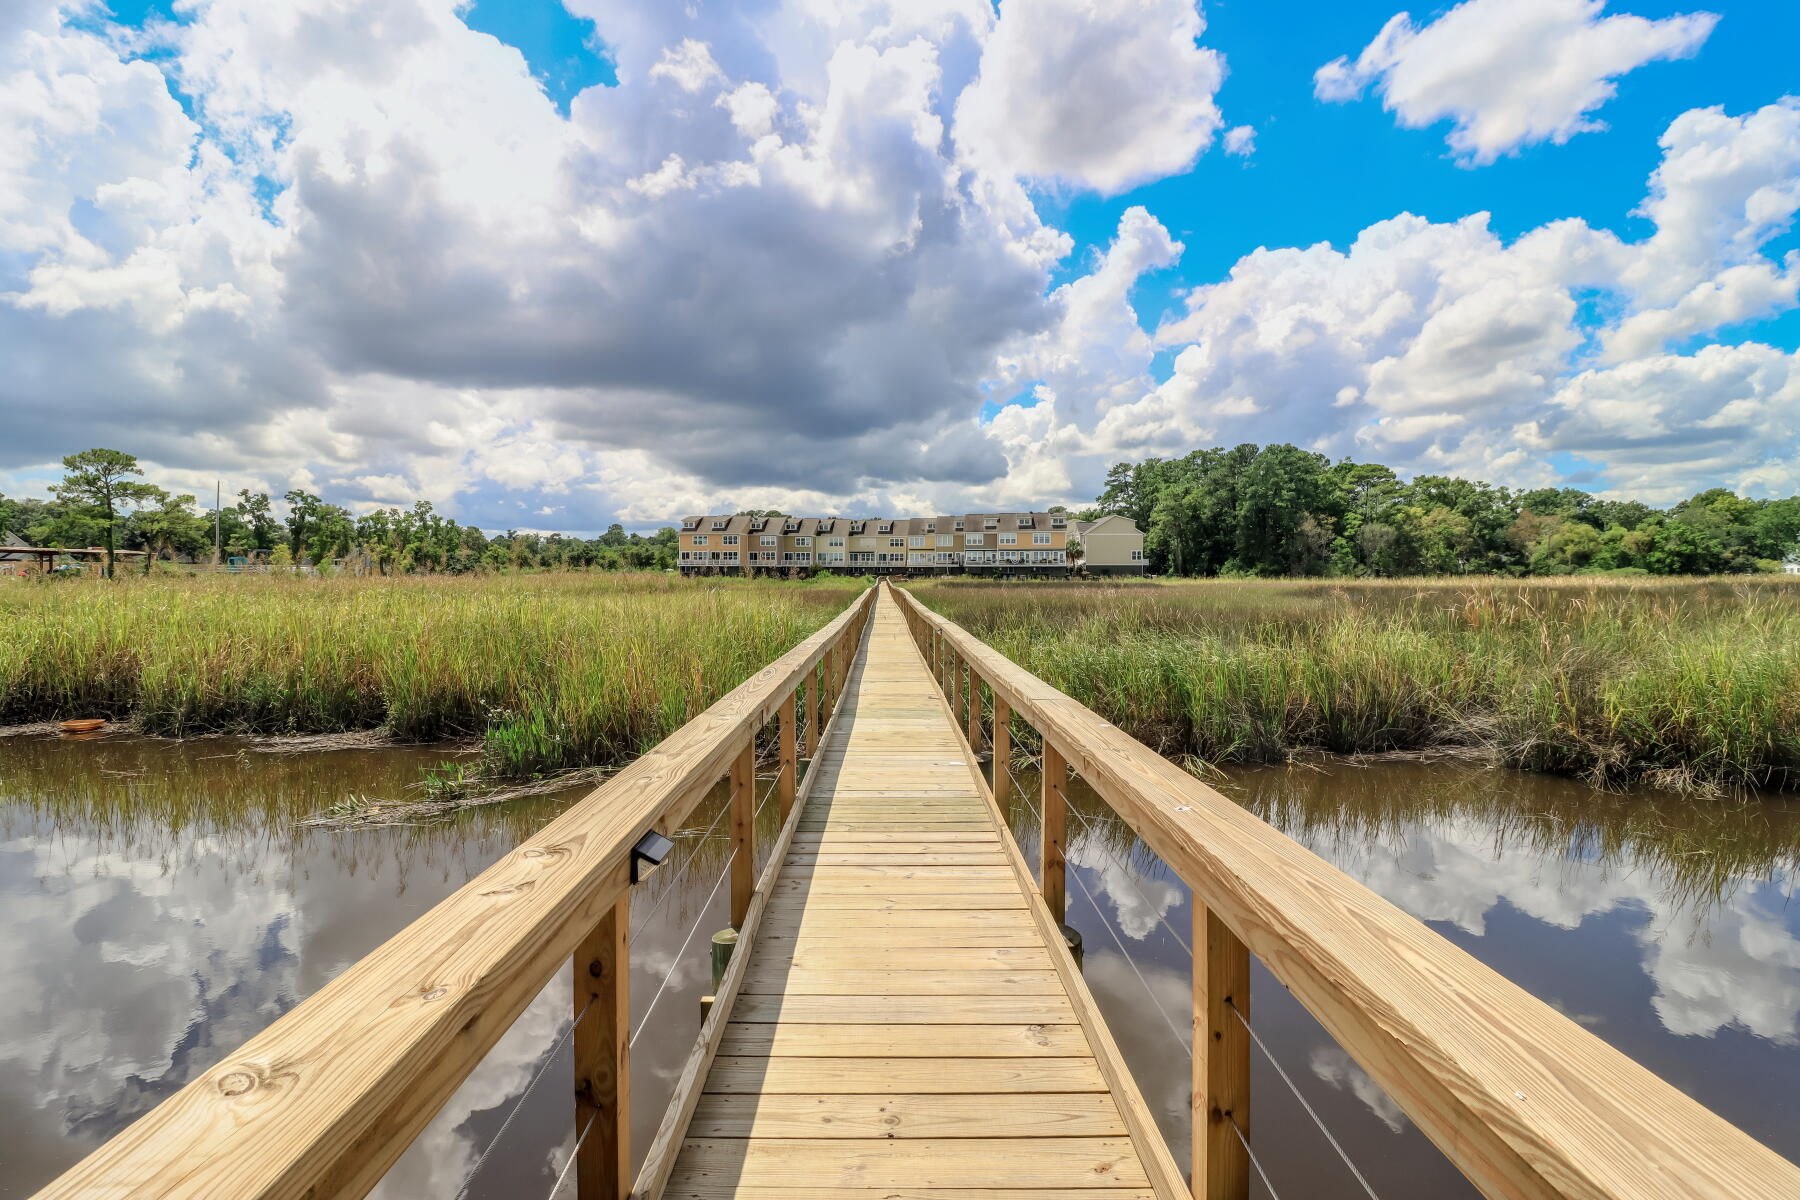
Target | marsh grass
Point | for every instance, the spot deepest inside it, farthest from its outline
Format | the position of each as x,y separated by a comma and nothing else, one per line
549,671
1685,684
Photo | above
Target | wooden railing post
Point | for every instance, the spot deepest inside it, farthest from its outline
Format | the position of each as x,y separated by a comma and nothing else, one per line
1221,1058
743,820
790,758
1050,839
974,725
956,687
815,713
1002,785
603,1057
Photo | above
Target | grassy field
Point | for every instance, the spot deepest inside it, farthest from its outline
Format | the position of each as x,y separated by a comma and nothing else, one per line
550,671
1683,683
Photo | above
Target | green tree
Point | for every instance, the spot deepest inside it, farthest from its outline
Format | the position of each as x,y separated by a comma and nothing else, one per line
168,526
100,482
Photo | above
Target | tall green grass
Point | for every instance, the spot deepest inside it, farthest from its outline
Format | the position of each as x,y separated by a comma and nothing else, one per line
550,671
1684,683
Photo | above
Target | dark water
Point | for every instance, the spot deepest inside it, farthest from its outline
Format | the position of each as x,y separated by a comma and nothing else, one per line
158,907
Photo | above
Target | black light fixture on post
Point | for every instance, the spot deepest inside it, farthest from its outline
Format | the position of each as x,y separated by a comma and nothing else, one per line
652,848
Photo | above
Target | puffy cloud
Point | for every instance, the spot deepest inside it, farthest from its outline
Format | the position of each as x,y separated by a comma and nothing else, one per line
1440,346
1240,140
1670,425
1508,73
1102,94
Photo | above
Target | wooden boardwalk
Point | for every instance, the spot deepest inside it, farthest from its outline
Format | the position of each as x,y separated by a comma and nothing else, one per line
904,1028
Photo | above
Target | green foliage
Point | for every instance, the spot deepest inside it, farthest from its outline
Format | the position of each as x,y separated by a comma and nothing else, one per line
1685,683
1282,511
550,671
97,484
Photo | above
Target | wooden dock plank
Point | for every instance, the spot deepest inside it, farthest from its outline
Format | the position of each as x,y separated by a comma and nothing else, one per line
1077,1114
790,1039
925,1162
903,1031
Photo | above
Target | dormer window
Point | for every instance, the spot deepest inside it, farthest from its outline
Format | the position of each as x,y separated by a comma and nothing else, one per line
886,527
825,524
757,523
1026,522
857,526
690,524
959,527
790,526
721,522
1058,522
990,523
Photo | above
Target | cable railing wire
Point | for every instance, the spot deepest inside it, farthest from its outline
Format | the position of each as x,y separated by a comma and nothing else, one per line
1282,1071
699,917
1251,1155
563,1175
1131,878
542,1067
668,888
1130,962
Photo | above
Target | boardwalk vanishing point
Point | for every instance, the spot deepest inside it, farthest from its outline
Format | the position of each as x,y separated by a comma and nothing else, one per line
902,1022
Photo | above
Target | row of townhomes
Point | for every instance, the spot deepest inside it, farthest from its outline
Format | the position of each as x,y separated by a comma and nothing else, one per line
980,543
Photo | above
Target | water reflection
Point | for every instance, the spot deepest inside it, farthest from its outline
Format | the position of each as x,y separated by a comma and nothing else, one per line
1664,924
161,908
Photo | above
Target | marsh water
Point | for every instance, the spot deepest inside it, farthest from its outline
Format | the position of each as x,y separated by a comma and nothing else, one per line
158,906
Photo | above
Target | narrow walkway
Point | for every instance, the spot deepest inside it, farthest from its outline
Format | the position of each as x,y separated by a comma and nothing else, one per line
901,1031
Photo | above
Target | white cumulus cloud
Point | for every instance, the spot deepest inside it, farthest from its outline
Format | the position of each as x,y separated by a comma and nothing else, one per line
1508,73
1102,94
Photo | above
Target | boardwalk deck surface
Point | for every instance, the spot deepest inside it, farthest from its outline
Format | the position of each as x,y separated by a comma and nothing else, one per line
902,1031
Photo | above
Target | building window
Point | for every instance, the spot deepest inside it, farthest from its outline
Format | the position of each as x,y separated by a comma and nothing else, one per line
838,542
1007,539
699,539
915,541
729,539
802,557
946,539
803,541
768,539
974,539
1040,539
896,541
1137,556
990,522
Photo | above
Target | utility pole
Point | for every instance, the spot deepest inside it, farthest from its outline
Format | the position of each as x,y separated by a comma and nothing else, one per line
218,504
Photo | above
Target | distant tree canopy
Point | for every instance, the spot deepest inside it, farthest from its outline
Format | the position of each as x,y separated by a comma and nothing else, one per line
1280,510
99,502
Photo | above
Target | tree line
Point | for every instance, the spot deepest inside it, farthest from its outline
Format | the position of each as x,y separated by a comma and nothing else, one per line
101,501
1280,510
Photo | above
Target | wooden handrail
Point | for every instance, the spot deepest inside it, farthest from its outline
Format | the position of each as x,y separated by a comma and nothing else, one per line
1526,1103
323,1101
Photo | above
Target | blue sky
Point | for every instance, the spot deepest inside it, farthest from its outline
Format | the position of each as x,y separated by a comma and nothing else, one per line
512,255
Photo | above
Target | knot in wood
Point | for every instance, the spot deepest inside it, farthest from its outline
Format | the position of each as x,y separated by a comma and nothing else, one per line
237,1083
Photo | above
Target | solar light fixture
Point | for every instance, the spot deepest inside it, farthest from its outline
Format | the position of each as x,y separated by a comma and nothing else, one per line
652,848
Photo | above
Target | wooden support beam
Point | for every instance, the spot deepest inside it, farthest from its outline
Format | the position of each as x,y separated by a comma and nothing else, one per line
602,1057
956,688
815,714
1050,840
1002,772
743,819
789,776
1221,1057
974,725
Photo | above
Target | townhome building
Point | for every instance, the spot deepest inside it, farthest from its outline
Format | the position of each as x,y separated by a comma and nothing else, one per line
1030,544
